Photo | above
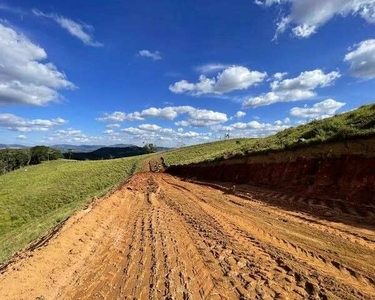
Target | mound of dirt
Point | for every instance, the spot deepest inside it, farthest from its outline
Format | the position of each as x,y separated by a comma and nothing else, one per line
343,171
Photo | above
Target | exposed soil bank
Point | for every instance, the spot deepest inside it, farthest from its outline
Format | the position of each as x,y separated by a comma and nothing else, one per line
332,170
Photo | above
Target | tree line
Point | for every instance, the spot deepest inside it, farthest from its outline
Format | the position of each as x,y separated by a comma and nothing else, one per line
12,159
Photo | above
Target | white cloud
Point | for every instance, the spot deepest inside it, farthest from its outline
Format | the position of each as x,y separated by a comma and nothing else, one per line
166,113
210,68
326,108
305,17
304,30
195,117
305,81
232,78
82,31
153,55
253,128
154,133
21,137
116,116
150,127
362,60
201,117
281,26
279,75
23,78
238,115
299,88
204,86
112,126
16,123
182,123
71,135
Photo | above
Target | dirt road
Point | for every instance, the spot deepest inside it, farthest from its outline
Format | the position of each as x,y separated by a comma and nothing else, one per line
159,237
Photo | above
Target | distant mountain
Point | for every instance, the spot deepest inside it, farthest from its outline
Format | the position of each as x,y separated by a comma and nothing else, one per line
107,153
77,148
159,149
12,146
86,148
120,145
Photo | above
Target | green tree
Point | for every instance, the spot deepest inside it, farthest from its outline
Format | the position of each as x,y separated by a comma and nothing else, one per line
150,148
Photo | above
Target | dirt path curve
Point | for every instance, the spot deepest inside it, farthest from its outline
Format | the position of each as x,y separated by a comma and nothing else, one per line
162,238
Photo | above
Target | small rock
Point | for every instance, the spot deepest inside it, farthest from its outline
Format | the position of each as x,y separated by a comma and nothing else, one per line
242,263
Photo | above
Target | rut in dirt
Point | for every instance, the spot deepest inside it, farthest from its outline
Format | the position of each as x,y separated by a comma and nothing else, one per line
160,237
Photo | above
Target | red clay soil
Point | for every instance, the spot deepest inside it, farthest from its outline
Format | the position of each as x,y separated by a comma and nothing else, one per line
339,171
159,237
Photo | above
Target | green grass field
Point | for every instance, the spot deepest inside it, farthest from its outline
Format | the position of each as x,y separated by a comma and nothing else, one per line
35,199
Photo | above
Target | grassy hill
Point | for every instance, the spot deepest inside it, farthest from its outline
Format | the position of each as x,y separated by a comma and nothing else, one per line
107,153
35,199
353,124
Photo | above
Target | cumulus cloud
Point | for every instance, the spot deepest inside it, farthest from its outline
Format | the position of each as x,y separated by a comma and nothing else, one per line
195,117
362,59
81,31
299,88
24,79
230,79
253,128
240,114
153,55
157,134
111,126
324,109
16,123
305,17
21,137
279,75
304,31
145,133
204,118
149,127
72,135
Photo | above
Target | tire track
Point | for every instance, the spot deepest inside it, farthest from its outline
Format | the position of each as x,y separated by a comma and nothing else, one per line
316,260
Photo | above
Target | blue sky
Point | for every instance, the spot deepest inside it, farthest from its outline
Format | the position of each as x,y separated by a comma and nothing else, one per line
179,72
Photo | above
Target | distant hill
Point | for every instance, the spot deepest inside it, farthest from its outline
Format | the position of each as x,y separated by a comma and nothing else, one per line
159,149
77,148
107,153
12,146
86,148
